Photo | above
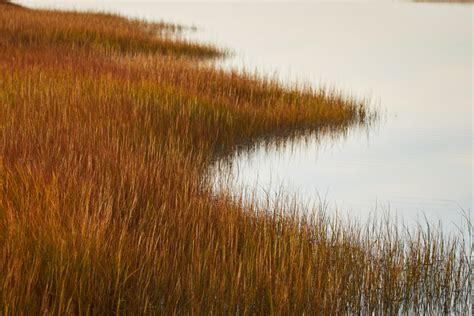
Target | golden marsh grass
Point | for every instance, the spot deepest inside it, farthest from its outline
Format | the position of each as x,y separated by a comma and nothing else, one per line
107,128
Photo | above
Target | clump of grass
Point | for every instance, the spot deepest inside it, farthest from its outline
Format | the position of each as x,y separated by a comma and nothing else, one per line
106,134
101,32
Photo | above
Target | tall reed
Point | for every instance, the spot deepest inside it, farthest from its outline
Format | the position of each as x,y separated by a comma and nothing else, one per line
107,128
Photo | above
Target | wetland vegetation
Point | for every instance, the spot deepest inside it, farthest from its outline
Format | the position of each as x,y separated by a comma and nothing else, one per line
108,126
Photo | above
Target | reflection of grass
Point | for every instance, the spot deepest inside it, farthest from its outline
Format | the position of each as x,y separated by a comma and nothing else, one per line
106,131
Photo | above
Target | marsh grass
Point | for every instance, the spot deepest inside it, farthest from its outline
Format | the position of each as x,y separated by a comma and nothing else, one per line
107,131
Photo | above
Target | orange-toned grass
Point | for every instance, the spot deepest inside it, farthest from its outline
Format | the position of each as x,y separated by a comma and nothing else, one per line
106,133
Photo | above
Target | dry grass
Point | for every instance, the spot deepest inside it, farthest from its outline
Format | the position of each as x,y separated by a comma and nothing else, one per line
107,128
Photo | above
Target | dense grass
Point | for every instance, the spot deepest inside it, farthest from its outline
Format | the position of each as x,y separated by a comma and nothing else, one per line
107,129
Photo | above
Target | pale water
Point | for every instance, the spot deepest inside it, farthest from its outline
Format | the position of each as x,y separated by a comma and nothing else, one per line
414,61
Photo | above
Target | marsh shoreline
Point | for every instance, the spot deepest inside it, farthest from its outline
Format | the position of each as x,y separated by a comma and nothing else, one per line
107,132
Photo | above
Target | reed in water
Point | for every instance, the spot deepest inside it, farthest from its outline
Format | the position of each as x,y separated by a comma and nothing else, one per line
107,129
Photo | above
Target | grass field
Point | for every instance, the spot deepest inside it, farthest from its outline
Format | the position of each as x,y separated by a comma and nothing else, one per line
107,129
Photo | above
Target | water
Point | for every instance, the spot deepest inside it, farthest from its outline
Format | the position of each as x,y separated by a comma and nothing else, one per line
414,60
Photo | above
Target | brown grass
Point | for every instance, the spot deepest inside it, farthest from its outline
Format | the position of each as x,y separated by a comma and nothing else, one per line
107,128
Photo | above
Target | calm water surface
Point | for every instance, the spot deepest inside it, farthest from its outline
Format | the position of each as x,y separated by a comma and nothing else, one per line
414,61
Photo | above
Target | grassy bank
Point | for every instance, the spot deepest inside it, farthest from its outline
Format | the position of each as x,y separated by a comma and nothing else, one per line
107,128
